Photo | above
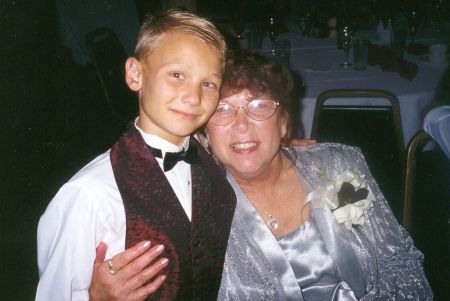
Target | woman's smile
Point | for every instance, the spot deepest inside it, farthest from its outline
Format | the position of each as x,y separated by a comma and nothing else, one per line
244,146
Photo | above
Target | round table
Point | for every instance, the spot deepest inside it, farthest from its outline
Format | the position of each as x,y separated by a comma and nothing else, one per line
318,63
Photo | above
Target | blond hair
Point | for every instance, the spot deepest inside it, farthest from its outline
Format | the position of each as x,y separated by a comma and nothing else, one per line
155,28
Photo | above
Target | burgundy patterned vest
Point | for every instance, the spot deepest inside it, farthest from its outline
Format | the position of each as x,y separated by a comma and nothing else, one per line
196,249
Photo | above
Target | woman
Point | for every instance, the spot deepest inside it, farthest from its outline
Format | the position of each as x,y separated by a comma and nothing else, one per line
310,223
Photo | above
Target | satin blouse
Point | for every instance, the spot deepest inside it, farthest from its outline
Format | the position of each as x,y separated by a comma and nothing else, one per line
315,271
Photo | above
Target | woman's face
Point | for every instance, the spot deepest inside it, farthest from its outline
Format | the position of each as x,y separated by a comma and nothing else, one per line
246,147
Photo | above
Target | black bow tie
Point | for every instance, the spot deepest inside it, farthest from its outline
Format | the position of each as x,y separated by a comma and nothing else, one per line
171,159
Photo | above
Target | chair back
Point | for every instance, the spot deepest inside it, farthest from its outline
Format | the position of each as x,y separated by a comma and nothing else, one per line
415,146
108,57
376,129
427,208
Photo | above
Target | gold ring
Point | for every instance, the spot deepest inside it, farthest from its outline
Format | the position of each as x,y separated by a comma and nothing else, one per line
112,269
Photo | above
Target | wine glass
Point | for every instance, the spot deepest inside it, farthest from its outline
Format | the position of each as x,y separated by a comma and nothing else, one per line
272,31
345,33
438,14
238,26
238,20
413,25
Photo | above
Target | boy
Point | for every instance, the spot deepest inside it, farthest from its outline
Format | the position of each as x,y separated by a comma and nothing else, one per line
139,189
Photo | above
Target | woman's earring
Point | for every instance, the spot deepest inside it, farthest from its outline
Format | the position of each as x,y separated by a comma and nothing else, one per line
215,159
203,141
202,138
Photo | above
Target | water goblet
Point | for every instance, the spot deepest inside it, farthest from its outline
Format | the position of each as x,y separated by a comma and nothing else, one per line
345,33
413,25
438,8
272,31
238,27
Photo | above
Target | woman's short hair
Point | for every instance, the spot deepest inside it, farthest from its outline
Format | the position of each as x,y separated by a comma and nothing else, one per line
156,26
261,75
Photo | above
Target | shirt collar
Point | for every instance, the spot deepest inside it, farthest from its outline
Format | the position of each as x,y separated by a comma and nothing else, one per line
158,142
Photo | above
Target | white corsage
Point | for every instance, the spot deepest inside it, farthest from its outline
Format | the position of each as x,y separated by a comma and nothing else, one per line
348,197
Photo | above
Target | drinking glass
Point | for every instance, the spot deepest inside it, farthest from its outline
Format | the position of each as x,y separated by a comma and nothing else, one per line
345,33
283,50
400,32
438,8
238,27
360,51
272,31
239,20
413,25
254,38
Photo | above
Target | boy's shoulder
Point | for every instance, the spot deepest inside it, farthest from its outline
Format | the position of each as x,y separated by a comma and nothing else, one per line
94,179
96,170
91,188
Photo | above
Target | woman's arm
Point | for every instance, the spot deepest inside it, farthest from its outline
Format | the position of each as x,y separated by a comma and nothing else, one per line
399,273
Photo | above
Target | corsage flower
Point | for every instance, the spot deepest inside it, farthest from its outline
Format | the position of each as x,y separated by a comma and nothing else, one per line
348,197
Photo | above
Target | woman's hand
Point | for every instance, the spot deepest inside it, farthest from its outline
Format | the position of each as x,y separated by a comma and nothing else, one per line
126,275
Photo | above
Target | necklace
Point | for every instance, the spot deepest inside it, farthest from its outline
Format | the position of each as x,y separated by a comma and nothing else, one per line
272,223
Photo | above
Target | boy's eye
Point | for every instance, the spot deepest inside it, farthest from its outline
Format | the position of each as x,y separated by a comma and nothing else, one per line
177,75
210,85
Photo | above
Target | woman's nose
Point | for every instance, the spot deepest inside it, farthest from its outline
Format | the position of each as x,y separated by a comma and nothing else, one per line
242,121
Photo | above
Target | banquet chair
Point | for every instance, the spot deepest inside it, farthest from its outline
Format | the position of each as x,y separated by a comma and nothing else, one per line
376,129
427,208
108,56
414,147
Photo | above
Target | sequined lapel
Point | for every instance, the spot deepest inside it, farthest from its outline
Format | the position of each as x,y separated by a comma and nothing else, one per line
259,234
335,236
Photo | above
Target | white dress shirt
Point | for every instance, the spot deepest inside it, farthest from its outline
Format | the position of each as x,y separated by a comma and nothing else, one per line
179,176
87,210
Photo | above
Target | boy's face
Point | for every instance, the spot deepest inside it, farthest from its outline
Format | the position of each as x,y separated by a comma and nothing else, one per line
178,86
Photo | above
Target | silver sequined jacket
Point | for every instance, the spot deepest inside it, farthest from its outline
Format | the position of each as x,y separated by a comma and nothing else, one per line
378,261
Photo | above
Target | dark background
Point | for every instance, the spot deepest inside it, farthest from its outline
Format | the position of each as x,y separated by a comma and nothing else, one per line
54,116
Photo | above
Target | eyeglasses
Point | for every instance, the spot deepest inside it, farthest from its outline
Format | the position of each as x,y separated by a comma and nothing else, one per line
257,109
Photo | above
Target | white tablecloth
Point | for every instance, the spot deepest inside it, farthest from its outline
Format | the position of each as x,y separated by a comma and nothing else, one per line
317,61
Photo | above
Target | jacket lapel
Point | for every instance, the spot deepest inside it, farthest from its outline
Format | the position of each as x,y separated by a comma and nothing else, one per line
334,235
258,233
336,239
